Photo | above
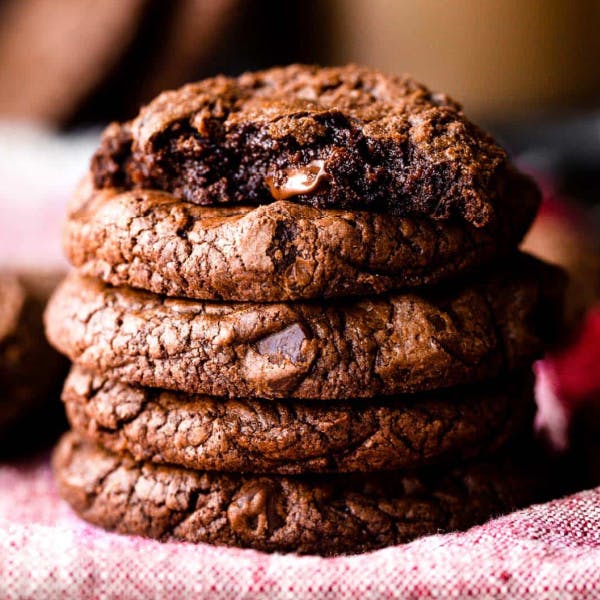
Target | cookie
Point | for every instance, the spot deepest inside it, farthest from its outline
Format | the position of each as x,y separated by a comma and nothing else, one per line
30,370
327,515
386,345
12,299
265,436
344,137
275,252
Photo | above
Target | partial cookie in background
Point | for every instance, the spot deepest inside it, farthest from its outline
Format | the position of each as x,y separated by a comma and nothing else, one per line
31,372
397,343
331,514
267,436
92,61
279,251
52,55
566,234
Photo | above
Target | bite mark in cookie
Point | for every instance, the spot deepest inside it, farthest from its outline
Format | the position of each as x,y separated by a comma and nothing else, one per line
341,137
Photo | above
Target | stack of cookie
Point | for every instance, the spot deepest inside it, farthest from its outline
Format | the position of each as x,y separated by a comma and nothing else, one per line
298,318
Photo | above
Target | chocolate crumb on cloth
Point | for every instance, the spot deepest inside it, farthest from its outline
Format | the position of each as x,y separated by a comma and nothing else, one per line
337,350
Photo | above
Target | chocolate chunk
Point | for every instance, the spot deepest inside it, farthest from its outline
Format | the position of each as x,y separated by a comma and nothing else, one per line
284,345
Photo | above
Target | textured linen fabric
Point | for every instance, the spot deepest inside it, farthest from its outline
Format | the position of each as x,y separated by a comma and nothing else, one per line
550,550
545,551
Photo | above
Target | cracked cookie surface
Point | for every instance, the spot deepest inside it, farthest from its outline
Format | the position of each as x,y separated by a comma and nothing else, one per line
327,515
267,436
276,252
390,344
342,137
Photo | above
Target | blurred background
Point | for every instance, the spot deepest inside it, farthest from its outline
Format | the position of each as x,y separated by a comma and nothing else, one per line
526,70
77,62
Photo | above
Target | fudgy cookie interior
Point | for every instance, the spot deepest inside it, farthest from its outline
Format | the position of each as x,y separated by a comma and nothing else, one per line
345,137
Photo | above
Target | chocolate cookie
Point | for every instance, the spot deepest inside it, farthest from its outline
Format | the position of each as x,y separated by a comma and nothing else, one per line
12,299
279,251
30,370
262,436
386,345
327,515
344,137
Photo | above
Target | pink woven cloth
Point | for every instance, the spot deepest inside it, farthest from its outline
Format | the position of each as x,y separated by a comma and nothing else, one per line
546,551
